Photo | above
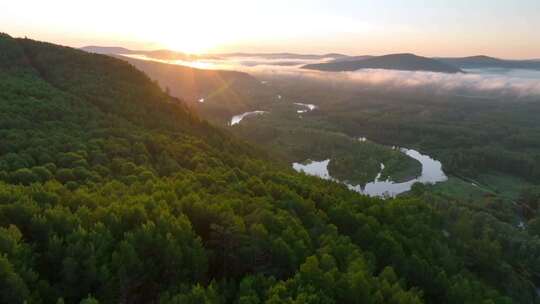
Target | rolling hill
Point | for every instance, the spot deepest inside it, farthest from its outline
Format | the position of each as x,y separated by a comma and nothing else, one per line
107,50
402,62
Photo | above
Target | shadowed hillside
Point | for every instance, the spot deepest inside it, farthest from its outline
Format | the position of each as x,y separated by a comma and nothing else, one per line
217,94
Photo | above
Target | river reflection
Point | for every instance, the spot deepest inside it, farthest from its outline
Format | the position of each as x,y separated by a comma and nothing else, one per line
236,119
431,173
307,107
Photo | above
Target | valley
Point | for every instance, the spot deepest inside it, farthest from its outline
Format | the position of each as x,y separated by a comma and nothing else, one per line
318,118
289,132
128,181
270,152
332,109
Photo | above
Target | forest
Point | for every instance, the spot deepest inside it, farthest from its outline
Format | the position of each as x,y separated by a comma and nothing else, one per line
475,137
293,137
471,135
113,191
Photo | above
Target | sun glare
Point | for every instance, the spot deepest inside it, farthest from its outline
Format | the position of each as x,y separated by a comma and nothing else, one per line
190,45
197,39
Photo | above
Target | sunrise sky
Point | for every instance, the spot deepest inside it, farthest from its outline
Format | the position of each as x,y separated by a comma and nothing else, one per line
502,28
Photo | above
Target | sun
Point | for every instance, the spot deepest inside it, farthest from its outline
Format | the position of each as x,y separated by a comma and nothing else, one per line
198,31
191,43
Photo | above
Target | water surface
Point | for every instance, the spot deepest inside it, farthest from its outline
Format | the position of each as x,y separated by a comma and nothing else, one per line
236,119
307,107
514,73
316,168
431,173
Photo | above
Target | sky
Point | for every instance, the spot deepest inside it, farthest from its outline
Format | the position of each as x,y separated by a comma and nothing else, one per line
501,28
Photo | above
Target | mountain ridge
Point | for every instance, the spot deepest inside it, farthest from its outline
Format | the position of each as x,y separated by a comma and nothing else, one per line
338,61
171,55
402,61
483,61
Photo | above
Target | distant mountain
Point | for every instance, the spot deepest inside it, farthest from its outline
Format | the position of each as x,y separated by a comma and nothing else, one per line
286,55
285,62
352,58
107,50
480,62
403,62
155,54
340,62
173,55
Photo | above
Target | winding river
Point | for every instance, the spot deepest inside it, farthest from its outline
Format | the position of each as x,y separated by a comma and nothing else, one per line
431,169
431,173
236,119
307,107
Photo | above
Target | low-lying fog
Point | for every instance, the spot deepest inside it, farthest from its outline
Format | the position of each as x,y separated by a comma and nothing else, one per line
477,83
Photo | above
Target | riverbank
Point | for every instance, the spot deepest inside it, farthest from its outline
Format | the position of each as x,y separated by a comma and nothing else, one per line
431,173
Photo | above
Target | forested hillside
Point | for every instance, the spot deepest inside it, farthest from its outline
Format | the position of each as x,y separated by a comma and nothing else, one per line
112,191
216,94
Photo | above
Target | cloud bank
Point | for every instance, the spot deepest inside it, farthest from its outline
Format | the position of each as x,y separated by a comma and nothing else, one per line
475,83
481,83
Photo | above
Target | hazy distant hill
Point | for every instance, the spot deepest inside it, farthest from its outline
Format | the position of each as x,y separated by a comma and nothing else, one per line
174,55
286,55
479,62
341,62
403,62
217,94
353,58
107,50
155,54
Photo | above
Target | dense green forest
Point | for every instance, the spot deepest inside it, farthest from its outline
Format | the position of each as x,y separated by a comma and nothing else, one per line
112,191
470,135
296,137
